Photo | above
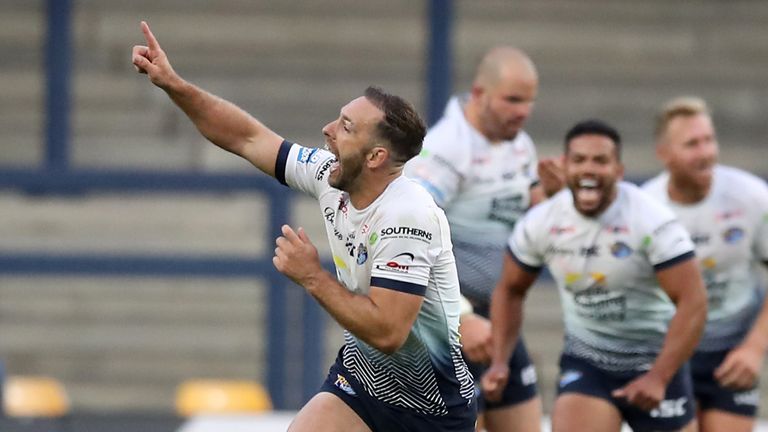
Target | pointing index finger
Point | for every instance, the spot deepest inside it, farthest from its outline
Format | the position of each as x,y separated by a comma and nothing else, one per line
290,234
151,41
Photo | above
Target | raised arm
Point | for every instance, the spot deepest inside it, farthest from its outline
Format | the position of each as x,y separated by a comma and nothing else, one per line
506,320
683,284
220,121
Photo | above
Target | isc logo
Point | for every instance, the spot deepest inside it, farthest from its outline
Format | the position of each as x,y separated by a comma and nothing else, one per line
670,408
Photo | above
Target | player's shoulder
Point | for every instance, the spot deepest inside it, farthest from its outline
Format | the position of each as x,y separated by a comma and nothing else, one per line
643,208
739,180
556,207
523,139
406,197
657,185
637,196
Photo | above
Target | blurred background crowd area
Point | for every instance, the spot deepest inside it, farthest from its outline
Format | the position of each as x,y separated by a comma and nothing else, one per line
124,342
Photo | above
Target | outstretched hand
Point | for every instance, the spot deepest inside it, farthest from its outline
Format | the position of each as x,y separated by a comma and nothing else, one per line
296,256
151,60
552,174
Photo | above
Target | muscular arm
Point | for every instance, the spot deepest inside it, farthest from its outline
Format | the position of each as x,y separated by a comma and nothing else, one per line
221,122
684,286
506,320
383,318
682,283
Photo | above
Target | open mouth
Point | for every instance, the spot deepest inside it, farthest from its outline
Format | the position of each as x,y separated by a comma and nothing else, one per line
587,193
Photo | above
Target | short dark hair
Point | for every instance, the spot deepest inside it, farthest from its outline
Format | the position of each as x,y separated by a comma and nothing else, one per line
594,127
402,127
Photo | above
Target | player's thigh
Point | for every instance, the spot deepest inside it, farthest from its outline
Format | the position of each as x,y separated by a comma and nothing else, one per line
575,412
325,412
713,420
521,417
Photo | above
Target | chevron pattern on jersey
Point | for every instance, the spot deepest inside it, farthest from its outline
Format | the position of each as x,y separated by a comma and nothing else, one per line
405,379
467,384
617,357
724,334
479,268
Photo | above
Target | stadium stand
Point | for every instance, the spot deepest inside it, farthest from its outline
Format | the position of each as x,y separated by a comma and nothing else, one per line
212,396
291,63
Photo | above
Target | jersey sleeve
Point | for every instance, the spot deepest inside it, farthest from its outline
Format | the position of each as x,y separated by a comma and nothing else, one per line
524,244
665,241
439,167
403,252
304,168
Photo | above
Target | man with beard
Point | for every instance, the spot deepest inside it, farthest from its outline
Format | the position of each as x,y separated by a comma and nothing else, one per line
480,166
397,292
726,211
633,300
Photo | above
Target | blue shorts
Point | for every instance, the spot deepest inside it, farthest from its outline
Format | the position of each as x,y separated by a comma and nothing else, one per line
383,417
521,385
674,412
711,395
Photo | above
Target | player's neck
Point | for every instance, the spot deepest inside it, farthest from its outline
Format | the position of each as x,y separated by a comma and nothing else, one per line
369,188
684,192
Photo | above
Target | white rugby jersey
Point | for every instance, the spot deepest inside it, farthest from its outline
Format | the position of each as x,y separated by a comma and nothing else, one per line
401,241
616,315
730,230
484,189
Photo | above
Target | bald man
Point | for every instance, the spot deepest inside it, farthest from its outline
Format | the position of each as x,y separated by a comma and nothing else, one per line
481,168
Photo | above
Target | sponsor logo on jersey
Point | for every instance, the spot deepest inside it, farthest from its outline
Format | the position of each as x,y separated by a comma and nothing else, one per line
593,300
399,263
362,254
323,169
728,214
700,239
373,239
589,251
507,210
406,232
344,385
569,376
343,203
554,250
329,214
339,262
708,263
557,230
733,235
621,250
616,229
307,155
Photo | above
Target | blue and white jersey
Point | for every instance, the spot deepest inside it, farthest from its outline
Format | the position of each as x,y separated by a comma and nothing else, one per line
730,230
616,314
484,189
402,242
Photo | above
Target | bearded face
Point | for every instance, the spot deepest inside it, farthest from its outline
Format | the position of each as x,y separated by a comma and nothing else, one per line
592,170
689,150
